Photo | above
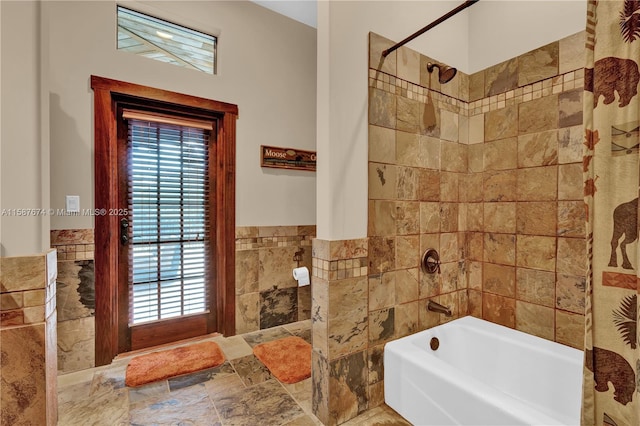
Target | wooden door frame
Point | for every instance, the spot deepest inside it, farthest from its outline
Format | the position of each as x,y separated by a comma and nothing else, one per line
106,94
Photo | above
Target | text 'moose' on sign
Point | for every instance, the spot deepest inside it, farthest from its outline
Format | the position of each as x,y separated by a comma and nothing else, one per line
287,158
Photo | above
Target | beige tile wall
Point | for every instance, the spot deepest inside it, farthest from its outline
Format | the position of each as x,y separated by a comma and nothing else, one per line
344,381
27,335
526,259
76,322
488,170
266,293
418,187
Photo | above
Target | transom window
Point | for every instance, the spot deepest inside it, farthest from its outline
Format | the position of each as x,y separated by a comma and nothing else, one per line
165,41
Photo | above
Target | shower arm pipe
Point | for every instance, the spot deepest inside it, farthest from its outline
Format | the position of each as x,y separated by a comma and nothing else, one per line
441,19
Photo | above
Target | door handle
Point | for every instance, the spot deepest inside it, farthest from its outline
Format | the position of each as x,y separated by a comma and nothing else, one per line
124,231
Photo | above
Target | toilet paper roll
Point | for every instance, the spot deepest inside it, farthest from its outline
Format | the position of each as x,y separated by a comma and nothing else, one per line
302,276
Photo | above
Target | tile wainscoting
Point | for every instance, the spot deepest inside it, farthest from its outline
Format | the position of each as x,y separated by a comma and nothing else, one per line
266,293
75,298
28,339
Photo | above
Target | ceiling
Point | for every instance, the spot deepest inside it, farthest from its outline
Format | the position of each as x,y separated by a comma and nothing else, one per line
304,11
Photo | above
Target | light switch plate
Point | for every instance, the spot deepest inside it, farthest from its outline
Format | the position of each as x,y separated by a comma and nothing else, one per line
73,203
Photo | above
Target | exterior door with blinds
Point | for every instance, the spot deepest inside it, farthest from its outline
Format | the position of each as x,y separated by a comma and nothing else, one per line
165,289
165,163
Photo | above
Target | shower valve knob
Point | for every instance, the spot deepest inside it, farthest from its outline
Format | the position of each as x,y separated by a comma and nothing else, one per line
431,261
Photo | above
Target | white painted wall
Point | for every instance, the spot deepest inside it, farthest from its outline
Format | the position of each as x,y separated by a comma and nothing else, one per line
267,66
502,29
300,10
24,151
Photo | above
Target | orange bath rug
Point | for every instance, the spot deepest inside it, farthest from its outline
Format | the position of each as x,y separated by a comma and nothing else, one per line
173,362
289,359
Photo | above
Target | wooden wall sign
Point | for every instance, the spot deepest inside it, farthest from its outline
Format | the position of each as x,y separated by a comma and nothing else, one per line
287,158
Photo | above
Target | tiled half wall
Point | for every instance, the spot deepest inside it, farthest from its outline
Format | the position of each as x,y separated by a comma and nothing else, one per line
76,298
487,169
28,377
266,293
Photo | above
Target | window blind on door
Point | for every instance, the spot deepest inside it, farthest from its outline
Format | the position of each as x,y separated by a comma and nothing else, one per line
168,193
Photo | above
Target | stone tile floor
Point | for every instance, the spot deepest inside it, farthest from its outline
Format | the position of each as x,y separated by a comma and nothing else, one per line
239,392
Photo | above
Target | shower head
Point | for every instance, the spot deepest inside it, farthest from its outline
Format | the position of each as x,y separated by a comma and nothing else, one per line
446,72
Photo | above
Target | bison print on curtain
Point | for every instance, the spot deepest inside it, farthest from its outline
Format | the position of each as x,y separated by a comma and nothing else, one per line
611,163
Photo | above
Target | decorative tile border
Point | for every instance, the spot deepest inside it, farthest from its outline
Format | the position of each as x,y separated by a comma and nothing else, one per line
547,87
409,90
340,269
78,244
263,242
75,251
73,244
255,237
337,260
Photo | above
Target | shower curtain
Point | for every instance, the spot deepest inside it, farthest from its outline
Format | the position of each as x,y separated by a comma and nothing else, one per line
611,163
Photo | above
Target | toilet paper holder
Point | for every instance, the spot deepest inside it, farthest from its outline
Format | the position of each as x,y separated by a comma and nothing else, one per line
297,256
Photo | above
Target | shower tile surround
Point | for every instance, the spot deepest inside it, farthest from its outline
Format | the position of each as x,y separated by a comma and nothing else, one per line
266,293
488,170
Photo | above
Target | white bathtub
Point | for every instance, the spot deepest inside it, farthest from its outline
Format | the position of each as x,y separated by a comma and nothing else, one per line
482,374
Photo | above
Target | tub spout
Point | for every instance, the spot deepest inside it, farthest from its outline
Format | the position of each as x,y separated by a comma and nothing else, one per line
436,307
